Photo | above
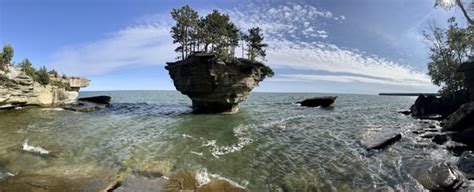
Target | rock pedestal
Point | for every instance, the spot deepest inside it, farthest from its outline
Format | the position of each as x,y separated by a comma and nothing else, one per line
216,86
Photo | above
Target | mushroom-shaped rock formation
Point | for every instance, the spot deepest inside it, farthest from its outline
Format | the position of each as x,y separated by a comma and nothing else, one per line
216,86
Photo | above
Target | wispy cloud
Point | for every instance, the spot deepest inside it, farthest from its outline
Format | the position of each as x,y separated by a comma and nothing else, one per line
136,46
295,33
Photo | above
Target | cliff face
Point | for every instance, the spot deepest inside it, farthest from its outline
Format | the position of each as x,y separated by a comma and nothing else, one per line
215,86
19,89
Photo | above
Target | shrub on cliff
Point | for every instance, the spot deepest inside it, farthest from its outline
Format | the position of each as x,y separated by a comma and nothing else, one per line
6,57
28,68
43,76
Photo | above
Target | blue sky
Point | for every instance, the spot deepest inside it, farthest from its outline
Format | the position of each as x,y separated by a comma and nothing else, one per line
337,46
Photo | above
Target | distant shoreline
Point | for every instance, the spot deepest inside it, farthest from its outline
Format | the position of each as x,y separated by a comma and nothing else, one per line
407,94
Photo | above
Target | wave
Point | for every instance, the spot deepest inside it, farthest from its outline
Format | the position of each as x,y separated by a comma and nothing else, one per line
33,149
204,177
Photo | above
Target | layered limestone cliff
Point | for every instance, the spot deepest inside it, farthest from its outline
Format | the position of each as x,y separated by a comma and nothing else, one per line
18,89
215,86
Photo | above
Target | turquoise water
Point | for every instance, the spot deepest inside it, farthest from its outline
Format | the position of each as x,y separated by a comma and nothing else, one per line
271,144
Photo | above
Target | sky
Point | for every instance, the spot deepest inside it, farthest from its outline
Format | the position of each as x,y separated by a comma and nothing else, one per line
331,46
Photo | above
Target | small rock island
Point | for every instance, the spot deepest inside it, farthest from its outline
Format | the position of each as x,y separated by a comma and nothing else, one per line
208,72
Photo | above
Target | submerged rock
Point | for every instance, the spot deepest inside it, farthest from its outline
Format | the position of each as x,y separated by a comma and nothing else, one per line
189,181
318,101
379,140
132,183
5,174
89,104
216,86
440,177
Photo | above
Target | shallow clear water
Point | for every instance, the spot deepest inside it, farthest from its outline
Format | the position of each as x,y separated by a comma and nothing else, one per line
271,144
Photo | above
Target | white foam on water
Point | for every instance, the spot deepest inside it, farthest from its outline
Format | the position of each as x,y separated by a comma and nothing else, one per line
243,140
203,177
33,149
187,136
197,153
52,109
18,107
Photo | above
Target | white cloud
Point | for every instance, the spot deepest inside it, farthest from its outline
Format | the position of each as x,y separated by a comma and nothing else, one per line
131,47
293,32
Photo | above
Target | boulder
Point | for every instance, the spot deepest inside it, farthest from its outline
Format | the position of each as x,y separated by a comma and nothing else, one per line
462,123
440,177
102,100
216,86
466,164
318,101
379,140
436,108
461,118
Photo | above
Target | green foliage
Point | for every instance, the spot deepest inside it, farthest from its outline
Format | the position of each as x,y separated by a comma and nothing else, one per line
255,45
222,36
214,33
6,56
448,49
43,76
60,84
28,68
185,29
54,73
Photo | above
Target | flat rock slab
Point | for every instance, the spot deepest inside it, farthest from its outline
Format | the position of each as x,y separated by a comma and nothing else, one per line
379,140
82,106
318,101
131,183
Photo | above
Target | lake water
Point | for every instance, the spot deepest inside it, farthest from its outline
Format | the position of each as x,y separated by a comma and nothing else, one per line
271,144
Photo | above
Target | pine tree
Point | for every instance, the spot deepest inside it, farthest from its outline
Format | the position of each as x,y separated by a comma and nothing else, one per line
255,44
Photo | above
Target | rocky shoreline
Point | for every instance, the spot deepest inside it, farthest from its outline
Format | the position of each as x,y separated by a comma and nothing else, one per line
17,89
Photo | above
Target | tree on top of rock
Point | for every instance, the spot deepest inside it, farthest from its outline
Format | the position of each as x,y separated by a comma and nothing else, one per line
186,26
255,44
222,36
214,33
